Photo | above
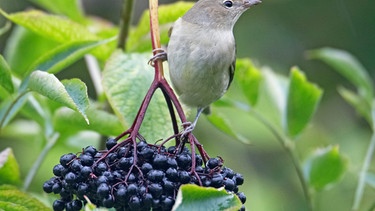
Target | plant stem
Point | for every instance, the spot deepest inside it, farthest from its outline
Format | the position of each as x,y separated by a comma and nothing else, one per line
95,74
5,28
142,111
288,147
159,73
362,175
5,119
126,16
172,115
51,142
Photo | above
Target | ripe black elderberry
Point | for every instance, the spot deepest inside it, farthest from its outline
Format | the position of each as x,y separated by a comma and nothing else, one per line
111,142
59,205
65,159
124,177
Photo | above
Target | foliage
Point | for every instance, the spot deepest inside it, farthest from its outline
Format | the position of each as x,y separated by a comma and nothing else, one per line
119,70
9,170
13,199
44,44
192,196
362,101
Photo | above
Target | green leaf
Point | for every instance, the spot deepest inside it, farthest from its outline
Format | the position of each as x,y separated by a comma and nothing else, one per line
193,197
71,93
126,79
11,206
249,79
139,37
92,207
70,8
302,101
221,123
52,27
68,121
348,66
9,169
65,55
57,28
13,199
224,102
276,87
26,46
324,167
358,102
5,76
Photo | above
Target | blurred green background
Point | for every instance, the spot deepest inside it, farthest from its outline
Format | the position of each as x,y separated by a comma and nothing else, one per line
277,34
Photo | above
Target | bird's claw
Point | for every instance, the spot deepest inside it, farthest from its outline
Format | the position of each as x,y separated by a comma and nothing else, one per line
190,127
186,124
160,54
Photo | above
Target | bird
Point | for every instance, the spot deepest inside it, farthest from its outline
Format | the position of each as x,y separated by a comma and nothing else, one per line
201,53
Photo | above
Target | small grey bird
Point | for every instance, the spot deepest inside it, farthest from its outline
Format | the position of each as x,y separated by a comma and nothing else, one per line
202,52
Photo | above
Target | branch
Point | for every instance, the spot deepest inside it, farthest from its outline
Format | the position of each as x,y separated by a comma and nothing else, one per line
285,143
362,175
125,23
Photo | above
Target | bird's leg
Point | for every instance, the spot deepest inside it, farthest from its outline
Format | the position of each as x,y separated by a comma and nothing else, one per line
160,54
191,126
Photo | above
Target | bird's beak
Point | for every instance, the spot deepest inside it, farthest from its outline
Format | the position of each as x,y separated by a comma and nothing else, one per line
249,3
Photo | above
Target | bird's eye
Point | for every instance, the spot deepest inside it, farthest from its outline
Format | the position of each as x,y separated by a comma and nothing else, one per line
228,3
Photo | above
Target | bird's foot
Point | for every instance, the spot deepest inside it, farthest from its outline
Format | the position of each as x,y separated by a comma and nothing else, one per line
189,127
160,54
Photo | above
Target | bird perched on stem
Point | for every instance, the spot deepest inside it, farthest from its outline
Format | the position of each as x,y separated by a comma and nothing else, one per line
202,52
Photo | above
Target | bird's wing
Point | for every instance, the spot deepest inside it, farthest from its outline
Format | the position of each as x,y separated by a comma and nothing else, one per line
170,31
232,68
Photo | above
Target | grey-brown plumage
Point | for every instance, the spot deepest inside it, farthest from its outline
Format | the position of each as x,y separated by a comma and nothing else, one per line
202,51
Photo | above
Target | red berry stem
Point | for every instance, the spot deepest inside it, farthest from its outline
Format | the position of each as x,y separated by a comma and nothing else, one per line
173,116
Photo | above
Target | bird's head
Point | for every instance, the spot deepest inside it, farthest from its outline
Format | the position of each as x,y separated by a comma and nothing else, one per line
222,13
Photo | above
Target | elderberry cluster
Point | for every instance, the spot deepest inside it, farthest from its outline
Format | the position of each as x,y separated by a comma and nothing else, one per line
127,177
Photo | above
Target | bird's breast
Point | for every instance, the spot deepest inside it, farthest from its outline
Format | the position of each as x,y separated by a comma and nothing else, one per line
199,61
